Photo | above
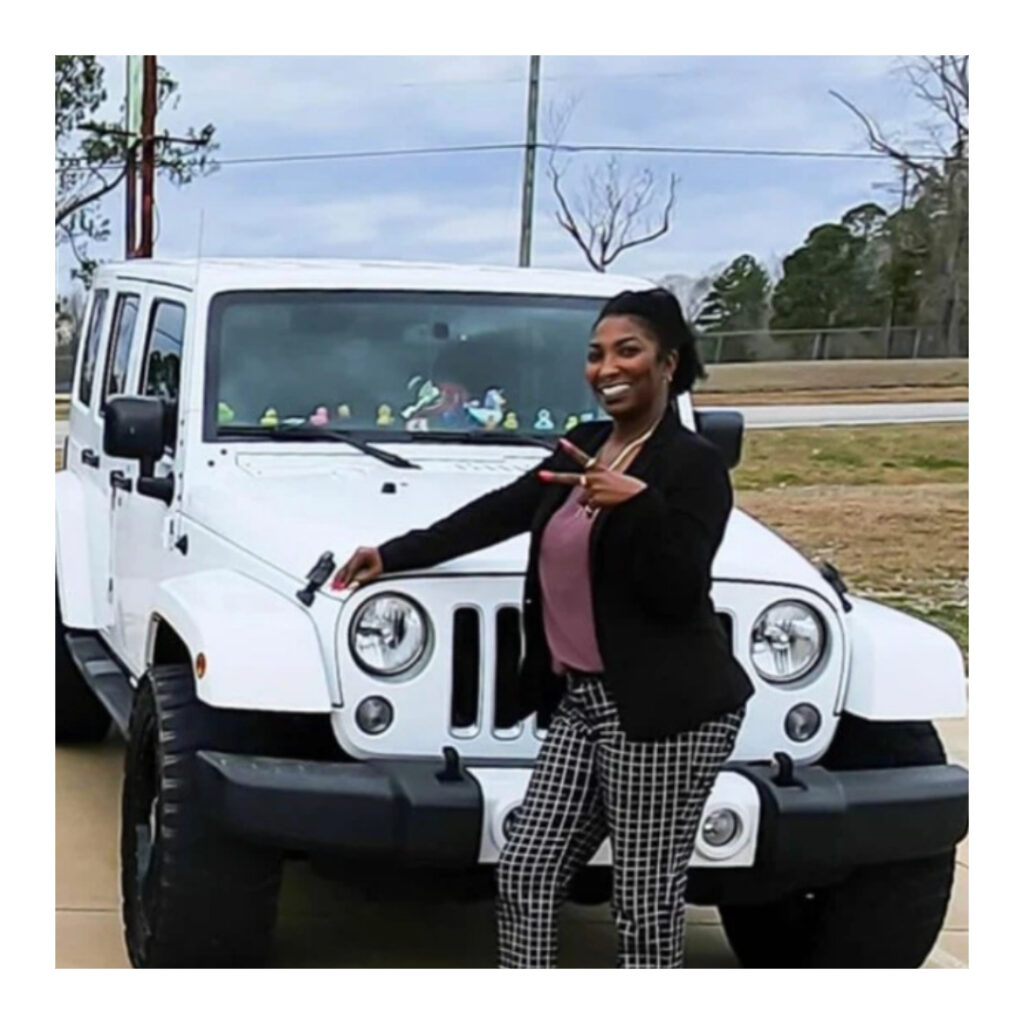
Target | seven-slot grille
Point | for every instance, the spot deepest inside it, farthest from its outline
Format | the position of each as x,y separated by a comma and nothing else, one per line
469,674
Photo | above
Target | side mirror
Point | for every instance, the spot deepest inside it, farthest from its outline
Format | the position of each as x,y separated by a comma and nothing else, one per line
135,428
724,429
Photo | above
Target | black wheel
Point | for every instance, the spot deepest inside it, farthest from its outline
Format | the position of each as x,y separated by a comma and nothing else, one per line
191,897
886,915
81,718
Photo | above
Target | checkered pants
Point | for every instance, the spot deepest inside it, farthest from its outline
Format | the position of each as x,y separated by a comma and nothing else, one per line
591,781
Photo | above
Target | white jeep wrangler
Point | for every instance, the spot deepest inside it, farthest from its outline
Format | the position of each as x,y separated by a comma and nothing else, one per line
237,428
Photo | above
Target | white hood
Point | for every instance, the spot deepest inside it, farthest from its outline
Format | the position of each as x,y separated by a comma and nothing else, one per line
290,508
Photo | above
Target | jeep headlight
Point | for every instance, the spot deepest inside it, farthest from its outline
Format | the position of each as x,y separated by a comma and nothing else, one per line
787,641
389,635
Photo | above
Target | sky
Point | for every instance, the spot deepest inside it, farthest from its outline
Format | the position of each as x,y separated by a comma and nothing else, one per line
466,207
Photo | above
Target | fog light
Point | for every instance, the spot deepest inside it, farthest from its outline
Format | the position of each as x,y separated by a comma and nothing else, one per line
803,722
374,715
508,823
720,827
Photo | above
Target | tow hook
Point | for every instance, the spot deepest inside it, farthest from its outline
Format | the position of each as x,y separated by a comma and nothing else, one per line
452,770
317,577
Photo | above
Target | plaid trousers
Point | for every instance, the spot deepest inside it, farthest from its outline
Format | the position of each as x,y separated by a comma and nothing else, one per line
589,782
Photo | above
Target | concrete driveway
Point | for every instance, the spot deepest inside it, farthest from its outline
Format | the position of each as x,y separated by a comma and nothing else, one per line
323,923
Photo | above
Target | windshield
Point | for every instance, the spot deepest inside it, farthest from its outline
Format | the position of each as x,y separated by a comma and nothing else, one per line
385,363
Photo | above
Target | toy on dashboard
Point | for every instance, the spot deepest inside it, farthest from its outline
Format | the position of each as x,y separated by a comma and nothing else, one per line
490,412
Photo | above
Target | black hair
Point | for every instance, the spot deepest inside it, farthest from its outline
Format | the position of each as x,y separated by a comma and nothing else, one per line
659,311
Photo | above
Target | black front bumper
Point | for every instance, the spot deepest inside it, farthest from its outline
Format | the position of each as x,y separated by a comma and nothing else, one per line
413,810
820,824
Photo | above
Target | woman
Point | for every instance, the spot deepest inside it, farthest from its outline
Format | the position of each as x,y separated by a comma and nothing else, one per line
621,640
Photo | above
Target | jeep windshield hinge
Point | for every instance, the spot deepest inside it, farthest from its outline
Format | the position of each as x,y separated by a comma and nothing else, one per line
316,578
835,580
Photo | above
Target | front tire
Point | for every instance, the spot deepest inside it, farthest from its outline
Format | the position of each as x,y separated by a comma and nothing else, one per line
191,897
884,915
80,717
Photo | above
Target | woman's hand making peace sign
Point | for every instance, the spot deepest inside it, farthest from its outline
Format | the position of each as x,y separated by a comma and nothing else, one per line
602,487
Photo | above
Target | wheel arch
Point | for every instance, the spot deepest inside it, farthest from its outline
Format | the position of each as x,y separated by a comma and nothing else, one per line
260,649
901,667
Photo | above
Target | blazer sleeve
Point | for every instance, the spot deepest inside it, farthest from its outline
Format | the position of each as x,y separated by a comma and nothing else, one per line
490,519
674,531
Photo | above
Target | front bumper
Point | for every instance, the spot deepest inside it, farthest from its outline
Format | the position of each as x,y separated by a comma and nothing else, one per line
819,825
405,810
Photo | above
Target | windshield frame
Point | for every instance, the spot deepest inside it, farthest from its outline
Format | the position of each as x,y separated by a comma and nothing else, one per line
222,299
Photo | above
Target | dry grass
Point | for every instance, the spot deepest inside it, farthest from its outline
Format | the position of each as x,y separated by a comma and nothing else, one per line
854,456
904,545
837,396
835,374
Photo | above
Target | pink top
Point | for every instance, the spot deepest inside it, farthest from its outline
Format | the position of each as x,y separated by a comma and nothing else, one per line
565,589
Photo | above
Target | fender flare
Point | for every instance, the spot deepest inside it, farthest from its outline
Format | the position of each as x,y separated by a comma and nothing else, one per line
74,583
901,667
261,649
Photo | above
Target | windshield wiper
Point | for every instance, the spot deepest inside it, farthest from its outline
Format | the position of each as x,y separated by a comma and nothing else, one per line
482,437
309,432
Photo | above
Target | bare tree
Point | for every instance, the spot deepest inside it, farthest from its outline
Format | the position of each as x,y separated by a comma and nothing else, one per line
615,211
939,182
691,291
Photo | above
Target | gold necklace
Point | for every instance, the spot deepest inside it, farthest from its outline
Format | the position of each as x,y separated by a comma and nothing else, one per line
588,510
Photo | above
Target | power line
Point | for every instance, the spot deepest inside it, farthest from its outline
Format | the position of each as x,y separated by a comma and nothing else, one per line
71,162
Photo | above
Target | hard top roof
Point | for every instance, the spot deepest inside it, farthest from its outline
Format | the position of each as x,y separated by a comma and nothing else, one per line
221,274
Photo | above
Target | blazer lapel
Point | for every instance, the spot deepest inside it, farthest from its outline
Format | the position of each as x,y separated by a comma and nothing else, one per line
556,494
643,467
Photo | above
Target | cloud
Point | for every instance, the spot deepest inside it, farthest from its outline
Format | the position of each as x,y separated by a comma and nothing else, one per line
467,207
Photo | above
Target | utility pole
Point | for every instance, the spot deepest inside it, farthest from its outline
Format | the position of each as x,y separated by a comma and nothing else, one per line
526,222
145,248
133,130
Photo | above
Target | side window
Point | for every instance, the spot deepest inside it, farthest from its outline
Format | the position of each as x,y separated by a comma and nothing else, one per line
91,347
161,365
126,312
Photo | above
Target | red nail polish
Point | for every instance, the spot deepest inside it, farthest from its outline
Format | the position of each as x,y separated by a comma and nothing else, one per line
544,474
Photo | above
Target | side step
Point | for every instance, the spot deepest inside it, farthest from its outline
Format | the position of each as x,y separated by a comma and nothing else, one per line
105,677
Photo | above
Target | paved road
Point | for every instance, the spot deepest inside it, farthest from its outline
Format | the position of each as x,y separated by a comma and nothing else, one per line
767,416
325,923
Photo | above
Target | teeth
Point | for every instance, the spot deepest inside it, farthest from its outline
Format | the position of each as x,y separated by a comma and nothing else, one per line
615,389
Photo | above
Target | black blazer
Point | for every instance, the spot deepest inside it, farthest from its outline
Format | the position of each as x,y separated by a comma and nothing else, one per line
667,662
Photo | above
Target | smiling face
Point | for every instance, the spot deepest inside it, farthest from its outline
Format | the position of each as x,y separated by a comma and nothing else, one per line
625,369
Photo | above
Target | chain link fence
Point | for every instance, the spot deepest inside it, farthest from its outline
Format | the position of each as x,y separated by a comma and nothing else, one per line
831,343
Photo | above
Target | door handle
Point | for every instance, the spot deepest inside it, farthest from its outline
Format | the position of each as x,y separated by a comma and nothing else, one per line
120,482
90,458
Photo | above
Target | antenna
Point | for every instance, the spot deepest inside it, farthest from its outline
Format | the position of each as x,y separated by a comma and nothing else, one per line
199,243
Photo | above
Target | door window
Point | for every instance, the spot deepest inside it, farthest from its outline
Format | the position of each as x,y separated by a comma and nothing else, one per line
161,364
126,312
91,347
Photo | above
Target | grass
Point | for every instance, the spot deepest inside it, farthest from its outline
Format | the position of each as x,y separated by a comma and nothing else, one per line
836,375
832,396
897,455
887,505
